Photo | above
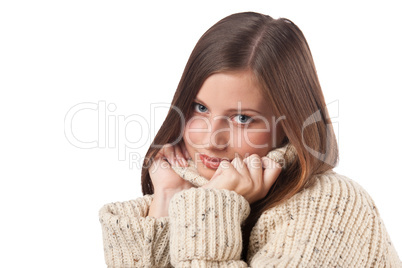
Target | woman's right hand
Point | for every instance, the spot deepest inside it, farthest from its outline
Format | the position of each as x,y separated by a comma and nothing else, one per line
164,179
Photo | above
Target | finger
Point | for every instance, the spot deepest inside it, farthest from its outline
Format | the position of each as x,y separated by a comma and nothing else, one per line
270,163
216,174
271,172
184,150
224,165
240,166
164,163
254,166
179,155
160,154
169,153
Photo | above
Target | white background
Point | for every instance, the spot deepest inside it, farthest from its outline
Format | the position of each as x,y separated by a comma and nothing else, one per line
57,54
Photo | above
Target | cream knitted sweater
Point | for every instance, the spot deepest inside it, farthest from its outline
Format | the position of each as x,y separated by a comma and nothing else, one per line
333,223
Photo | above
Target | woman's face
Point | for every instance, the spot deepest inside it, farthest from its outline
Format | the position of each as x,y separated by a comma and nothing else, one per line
229,118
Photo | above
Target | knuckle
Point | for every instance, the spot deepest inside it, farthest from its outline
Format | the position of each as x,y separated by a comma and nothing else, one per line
167,145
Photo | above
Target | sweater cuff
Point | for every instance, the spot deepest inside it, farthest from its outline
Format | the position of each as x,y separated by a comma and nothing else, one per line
130,237
205,225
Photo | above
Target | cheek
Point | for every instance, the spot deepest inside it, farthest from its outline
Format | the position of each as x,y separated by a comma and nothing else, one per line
255,142
194,131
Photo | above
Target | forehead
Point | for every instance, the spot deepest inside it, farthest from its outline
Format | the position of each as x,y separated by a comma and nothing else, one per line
223,91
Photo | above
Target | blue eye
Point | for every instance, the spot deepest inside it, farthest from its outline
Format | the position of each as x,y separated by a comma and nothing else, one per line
244,119
202,108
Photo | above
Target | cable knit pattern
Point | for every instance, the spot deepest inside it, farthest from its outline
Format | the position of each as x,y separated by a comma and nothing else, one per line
333,223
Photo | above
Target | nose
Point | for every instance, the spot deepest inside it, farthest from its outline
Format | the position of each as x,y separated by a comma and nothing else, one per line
219,136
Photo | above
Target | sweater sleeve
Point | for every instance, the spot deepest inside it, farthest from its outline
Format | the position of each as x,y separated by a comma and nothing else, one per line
334,224
205,228
131,238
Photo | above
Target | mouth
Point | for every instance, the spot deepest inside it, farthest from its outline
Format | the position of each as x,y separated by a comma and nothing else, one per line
211,162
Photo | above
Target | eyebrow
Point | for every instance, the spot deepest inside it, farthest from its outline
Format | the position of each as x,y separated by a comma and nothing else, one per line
229,110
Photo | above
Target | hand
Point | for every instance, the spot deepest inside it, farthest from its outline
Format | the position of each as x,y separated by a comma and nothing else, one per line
252,177
164,179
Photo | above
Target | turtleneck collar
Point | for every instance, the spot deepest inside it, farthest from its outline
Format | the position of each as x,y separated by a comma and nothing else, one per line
191,174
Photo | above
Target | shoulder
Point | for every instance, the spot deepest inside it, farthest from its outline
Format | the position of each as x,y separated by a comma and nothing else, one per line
329,193
333,182
332,221
332,188
328,189
333,205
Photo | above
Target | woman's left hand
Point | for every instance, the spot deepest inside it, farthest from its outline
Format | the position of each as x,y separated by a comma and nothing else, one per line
252,177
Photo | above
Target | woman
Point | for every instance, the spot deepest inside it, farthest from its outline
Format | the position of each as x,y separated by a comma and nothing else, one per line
240,173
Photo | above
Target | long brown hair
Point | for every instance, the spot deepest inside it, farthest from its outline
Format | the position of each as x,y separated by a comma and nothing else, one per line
279,56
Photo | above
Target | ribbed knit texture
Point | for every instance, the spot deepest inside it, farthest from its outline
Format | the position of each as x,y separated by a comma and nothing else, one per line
333,223
205,227
131,238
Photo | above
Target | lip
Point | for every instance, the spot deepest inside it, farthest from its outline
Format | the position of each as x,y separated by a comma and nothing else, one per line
211,162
